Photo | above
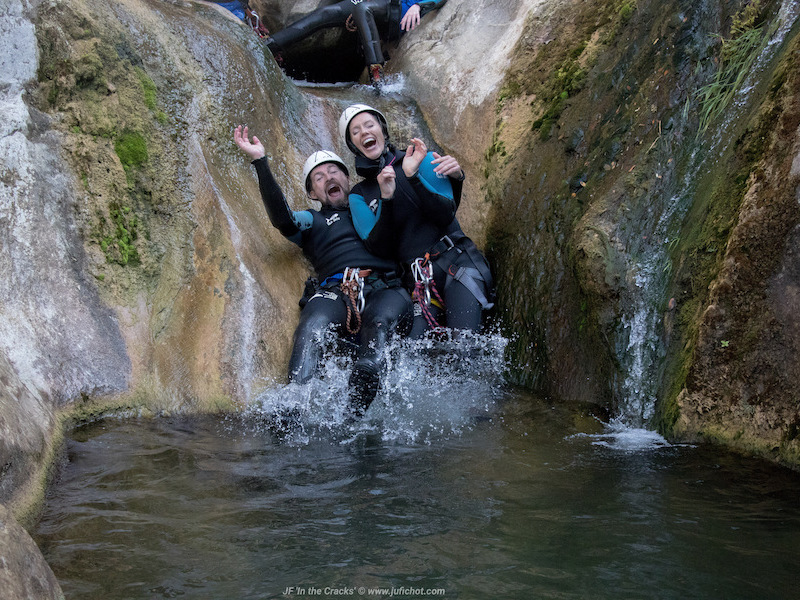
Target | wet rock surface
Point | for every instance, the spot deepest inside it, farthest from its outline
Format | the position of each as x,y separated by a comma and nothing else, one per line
24,573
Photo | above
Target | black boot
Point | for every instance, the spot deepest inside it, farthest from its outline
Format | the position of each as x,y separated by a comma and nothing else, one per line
364,383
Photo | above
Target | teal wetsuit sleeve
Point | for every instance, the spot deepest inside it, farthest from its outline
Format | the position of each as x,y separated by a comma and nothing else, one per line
363,217
435,193
304,220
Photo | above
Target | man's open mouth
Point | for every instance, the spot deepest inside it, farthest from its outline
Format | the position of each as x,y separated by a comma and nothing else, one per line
333,189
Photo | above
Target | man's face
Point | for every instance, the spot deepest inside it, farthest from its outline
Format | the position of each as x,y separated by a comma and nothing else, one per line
329,185
366,134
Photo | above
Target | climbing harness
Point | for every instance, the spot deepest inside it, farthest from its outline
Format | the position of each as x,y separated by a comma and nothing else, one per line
469,277
424,286
353,288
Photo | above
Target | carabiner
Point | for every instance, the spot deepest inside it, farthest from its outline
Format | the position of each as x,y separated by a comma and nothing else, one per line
353,275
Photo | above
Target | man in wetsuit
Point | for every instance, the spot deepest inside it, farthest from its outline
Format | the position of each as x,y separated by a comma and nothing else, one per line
358,293
375,20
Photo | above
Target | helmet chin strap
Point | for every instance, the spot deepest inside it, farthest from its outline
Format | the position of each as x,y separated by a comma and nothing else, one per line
367,167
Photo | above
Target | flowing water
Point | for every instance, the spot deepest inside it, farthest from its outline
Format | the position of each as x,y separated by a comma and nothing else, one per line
640,349
462,489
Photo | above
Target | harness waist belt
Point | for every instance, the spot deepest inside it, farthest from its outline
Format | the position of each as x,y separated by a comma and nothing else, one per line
337,277
445,243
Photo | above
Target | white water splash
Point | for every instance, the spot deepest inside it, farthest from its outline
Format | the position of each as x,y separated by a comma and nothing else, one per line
432,389
620,436
393,83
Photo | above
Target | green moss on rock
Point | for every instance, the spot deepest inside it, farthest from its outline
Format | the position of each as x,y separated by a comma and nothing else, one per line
131,148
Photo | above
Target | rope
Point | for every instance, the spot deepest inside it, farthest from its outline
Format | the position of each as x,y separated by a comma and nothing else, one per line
423,287
352,287
350,24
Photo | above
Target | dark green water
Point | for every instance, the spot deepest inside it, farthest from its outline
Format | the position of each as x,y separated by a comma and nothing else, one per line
518,503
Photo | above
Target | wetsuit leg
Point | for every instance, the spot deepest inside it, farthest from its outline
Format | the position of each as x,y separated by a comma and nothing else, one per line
370,16
334,15
463,309
387,310
466,288
421,324
324,309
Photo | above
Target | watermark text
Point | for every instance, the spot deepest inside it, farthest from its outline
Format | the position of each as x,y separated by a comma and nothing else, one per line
356,591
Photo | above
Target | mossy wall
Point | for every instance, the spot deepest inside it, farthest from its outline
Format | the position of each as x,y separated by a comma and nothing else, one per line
617,183
144,96
740,362
589,144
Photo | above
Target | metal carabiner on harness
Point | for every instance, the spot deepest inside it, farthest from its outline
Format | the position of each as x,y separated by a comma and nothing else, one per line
423,274
354,275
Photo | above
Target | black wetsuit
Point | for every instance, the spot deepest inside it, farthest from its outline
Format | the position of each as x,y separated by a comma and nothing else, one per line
331,243
417,222
374,19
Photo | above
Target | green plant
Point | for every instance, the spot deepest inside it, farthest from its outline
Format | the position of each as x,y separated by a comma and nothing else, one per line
148,87
626,11
119,245
564,83
89,72
737,56
511,89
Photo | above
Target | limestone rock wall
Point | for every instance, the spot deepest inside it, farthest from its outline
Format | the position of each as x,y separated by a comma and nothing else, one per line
649,242
140,267
25,574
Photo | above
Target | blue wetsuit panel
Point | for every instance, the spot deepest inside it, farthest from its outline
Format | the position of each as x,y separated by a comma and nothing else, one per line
303,219
406,4
438,184
363,217
235,7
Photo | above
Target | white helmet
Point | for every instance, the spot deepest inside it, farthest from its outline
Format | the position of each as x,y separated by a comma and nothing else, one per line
349,114
320,157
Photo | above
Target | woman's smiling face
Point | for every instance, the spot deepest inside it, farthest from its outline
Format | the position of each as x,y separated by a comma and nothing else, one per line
366,134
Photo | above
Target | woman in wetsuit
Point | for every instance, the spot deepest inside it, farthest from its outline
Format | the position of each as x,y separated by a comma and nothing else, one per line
405,209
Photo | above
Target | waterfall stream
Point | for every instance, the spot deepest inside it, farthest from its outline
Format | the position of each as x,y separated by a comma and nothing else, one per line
641,340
